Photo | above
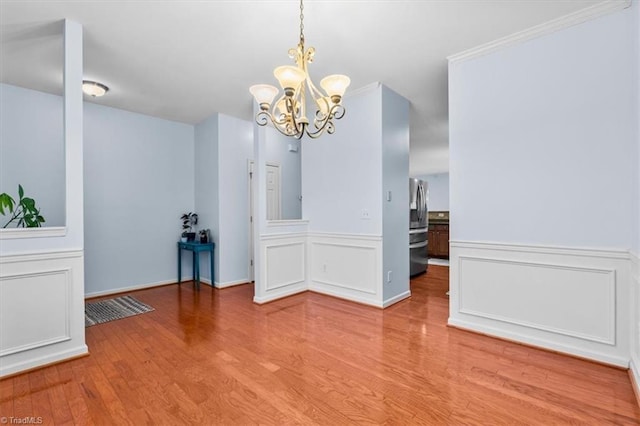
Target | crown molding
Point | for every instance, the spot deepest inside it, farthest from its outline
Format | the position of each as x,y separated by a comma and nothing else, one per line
584,15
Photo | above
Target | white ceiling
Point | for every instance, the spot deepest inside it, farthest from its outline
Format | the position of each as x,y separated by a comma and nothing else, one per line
185,60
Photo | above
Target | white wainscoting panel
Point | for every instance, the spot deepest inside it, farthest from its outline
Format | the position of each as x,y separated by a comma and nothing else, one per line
347,266
41,309
283,266
570,300
533,291
634,365
45,294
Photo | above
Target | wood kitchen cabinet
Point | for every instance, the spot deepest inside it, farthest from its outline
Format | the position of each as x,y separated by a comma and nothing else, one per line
439,241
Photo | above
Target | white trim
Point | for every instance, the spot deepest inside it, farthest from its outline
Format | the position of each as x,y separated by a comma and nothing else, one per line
534,248
282,236
634,376
348,287
541,343
369,237
41,255
287,222
227,284
572,19
30,363
132,288
350,298
399,298
634,362
275,295
16,233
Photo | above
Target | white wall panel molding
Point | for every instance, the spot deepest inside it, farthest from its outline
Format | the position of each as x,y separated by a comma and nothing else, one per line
347,266
44,293
283,267
584,15
41,315
523,283
571,300
634,365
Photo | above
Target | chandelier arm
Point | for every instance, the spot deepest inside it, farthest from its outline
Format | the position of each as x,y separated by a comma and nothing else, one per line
264,117
327,126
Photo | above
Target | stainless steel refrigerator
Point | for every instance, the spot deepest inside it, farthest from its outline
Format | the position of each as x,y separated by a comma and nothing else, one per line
418,226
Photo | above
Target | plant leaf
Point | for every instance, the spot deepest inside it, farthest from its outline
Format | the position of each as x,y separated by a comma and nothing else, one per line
28,203
20,191
6,201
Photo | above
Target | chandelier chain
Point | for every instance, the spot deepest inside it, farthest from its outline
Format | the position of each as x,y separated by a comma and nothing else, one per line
301,22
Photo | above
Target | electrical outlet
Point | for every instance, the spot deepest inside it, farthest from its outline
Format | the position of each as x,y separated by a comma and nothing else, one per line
365,214
388,195
388,277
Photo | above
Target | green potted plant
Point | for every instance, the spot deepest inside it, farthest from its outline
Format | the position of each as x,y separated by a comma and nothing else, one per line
189,220
24,213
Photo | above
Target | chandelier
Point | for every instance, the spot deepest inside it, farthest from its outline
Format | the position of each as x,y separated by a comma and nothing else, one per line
288,113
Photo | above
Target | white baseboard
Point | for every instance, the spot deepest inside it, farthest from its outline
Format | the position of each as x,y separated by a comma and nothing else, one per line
119,290
9,368
229,283
620,361
634,375
572,300
279,294
352,298
400,297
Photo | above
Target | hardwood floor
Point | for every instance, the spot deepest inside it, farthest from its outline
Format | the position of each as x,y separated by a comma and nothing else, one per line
214,357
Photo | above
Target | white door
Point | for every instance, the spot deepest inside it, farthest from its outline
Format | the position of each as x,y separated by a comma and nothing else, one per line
273,192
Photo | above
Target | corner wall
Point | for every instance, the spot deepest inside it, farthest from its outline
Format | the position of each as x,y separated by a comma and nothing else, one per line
48,262
543,155
206,185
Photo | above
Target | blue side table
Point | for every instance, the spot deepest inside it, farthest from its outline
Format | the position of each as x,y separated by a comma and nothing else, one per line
195,247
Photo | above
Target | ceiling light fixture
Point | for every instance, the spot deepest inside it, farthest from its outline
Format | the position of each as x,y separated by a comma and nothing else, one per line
288,113
93,88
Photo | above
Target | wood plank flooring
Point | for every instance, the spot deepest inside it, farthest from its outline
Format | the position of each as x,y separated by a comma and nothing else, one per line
214,357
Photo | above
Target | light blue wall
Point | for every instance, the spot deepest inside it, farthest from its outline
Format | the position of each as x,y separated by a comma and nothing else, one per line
138,173
342,173
395,178
277,151
235,139
206,175
438,191
543,139
33,155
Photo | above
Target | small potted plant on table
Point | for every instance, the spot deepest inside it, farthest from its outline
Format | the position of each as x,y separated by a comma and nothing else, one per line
189,220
